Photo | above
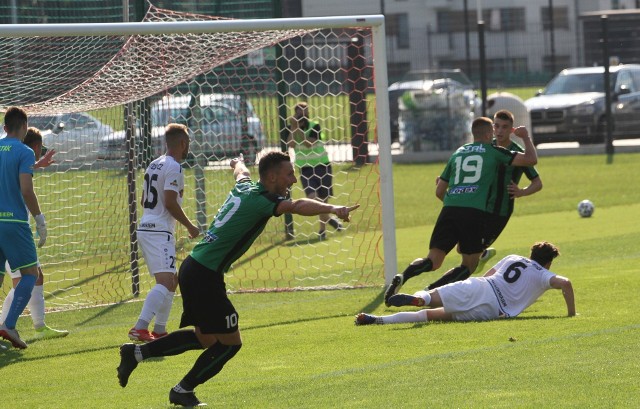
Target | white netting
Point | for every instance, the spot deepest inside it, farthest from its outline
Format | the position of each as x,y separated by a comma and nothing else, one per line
98,72
234,91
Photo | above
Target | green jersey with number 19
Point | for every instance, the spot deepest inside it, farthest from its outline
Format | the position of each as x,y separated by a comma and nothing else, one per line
239,221
472,172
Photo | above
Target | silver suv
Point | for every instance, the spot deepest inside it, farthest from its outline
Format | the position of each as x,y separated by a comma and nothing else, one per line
572,106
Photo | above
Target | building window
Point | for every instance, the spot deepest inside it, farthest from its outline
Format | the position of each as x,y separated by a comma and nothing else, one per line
560,18
398,28
507,19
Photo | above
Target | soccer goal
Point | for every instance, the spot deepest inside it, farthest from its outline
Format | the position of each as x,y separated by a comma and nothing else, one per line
102,94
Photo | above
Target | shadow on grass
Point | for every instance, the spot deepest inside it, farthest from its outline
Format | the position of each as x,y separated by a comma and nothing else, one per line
106,310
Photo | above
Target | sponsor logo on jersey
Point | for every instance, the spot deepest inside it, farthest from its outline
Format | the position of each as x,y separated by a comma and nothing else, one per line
174,183
147,225
209,237
5,148
7,215
459,190
473,148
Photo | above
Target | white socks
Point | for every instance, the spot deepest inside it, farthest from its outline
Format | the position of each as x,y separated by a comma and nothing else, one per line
35,305
152,305
402,317
424,295
160,326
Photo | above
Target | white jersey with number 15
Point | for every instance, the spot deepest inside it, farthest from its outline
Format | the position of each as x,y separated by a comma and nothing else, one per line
164,173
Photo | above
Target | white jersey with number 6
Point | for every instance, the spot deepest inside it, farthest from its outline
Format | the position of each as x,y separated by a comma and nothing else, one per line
518,282
164,173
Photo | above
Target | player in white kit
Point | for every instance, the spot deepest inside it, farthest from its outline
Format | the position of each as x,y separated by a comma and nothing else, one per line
162,204
504,291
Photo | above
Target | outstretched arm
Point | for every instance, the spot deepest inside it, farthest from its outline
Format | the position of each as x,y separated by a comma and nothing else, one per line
310,207
564,284
240,170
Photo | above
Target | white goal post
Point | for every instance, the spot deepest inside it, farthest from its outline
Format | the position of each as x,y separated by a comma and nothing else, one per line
173,55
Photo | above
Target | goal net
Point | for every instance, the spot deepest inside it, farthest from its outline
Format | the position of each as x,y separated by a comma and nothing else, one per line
102,94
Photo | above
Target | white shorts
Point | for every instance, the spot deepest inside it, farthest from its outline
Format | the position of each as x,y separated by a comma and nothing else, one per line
159,251
14,274
470,300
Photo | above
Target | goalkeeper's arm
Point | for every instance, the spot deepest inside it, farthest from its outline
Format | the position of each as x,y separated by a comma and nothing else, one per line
240,170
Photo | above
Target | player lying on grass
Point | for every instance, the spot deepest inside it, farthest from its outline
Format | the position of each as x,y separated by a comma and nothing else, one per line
504,291
239,222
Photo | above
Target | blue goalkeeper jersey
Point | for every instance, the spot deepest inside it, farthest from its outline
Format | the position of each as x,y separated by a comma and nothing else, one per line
15,158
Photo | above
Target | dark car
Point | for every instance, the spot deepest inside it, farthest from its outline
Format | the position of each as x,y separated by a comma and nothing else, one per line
572,106
423,80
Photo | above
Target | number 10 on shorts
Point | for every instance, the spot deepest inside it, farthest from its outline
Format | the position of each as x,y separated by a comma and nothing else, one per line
232,320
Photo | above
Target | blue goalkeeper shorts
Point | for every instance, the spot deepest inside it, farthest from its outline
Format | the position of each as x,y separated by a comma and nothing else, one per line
17,245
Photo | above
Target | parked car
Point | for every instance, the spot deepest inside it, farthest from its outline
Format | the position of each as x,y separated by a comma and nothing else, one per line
572,106
424,80
74,136
221,126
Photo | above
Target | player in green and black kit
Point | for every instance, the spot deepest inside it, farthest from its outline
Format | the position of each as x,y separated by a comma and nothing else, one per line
465,187
507,189
239,221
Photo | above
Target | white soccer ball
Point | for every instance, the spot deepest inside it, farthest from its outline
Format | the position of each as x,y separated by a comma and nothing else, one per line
586,208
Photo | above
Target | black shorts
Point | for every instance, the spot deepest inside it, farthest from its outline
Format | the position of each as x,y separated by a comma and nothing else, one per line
465,226
317,180
204,299
495,225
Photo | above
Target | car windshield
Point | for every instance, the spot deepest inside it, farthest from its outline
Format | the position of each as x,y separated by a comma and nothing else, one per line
577,83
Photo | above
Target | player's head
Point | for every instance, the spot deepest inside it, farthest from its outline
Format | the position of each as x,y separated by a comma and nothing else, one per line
177,138
15,122
503,126
33,139
482,129
543,253
276,172
301,110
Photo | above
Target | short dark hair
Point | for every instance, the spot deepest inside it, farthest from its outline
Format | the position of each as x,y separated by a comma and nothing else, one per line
32,137
505,116
544,252
270,161
481,126
174,132
14,118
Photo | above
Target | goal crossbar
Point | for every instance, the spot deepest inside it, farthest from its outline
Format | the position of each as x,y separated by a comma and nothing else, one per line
187,27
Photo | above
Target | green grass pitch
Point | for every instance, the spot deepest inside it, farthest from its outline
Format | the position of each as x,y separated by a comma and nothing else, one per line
301,349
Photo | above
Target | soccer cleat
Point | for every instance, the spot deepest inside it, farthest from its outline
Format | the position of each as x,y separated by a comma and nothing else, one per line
12,336
184,399
47,333
128,363
394,287
140,335
365,319
400,300
486,256
156,335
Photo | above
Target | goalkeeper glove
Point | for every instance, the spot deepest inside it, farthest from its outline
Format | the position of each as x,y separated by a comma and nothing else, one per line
41,229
